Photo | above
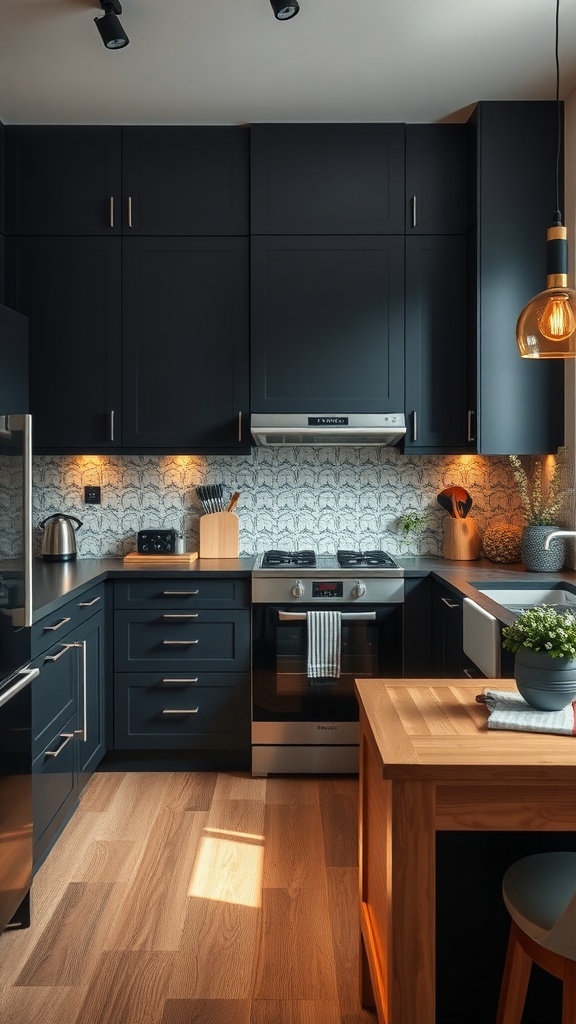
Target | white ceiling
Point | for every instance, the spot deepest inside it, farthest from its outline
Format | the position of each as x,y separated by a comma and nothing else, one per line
232,62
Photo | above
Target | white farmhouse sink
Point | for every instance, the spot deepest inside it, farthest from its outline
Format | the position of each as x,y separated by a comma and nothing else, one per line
529,597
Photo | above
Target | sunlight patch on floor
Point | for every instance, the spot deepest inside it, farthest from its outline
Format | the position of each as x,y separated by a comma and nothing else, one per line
228,867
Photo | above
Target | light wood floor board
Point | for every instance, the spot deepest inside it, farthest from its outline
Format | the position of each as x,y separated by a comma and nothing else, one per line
194,898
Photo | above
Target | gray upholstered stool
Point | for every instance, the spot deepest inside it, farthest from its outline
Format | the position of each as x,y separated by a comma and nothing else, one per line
540,894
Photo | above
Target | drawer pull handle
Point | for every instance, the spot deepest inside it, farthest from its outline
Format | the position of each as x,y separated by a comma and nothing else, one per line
180,593
66,737
55,657
180,615
449,603
179,682
88,604
180,711
51,629
174,643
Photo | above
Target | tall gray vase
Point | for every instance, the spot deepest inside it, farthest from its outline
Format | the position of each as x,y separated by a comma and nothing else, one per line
533,553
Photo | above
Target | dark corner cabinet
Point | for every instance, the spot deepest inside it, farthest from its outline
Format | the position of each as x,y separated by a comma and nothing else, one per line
68,711
520,401
128,250
182,668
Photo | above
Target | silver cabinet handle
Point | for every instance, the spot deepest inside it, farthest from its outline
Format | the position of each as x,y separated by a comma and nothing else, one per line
414,425
112,424
83,731
180,711
111,211
240,426
346,616
58,625
179,643
56,657
413,203
180,593
470,422
179,682
66,736
129,211
449,603
26,677
180,615
88,604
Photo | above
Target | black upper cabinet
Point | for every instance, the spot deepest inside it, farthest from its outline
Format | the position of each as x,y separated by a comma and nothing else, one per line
70,290
62,180
436,179
185,345
520,401
146,181
327,324
327,179
438,409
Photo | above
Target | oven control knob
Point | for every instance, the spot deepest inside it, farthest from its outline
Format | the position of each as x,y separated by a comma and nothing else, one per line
298,589
359,589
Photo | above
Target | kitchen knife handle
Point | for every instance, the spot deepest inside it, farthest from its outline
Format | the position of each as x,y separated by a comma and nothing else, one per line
413,203
470,432
414,425
233,501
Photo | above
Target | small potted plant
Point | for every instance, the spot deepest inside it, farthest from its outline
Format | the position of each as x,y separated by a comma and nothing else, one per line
411,524
541,508
544,644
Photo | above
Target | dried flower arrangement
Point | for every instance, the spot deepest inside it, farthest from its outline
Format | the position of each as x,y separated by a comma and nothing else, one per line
541,508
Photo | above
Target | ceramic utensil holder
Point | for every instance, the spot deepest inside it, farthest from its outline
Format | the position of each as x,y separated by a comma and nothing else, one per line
218,535
461,539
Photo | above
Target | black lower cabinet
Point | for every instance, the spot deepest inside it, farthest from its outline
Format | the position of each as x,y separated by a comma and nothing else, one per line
448,658
67,721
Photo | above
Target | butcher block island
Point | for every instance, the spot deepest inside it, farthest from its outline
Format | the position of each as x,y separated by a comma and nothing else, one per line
429,763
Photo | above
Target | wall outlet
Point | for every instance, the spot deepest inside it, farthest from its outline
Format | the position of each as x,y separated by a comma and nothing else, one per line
91,495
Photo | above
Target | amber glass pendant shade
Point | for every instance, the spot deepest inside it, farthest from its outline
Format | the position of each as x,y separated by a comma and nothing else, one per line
546,327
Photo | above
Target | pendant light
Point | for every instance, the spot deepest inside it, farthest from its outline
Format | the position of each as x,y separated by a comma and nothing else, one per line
546,327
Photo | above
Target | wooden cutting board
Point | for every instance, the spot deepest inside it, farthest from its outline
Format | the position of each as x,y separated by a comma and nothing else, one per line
134,558
218,535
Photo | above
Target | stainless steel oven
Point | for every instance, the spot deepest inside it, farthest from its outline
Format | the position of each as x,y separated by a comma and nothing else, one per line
304,721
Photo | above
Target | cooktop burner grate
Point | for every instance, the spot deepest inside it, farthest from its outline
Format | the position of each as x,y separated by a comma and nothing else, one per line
288,559
368,559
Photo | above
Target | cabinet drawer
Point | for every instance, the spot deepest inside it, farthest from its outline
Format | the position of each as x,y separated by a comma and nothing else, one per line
53,778
181,593
89,603
156,712
52,627
54,692
207,640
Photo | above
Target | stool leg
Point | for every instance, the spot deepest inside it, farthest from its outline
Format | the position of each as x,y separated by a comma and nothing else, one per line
569,993
515,982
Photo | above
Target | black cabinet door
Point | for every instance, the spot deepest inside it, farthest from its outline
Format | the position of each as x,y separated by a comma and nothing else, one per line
62,180
185,344
91,699
327,179
70,290
185,180
520,401
447,633
437,407
436,178
327,319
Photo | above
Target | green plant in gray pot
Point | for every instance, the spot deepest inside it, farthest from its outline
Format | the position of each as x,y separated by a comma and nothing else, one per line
544,643
541,508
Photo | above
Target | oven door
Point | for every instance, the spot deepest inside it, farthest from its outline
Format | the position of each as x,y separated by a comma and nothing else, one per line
371,646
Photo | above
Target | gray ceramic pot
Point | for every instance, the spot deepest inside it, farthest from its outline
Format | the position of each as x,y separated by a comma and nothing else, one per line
533,553
546,683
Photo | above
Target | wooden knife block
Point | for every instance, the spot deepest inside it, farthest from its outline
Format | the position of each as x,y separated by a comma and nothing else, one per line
461,539
218,535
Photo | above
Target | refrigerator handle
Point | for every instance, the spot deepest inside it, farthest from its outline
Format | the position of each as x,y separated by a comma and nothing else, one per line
28,560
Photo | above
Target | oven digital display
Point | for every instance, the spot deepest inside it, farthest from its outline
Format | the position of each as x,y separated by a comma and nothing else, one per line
326,588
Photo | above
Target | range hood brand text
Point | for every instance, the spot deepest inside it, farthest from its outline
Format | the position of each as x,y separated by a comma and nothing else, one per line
328,421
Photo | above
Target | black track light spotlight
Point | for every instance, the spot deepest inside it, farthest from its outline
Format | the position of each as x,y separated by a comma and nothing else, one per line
284,10
111,31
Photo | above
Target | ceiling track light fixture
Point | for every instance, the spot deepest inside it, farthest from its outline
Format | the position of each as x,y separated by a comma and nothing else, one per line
546,327
284,10
112,34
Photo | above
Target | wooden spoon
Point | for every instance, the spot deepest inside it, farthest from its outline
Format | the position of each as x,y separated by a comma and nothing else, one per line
456,501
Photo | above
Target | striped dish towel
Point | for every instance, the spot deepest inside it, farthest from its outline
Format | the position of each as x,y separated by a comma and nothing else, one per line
508,710
324,639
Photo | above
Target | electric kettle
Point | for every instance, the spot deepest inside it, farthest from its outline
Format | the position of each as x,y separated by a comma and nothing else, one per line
59,539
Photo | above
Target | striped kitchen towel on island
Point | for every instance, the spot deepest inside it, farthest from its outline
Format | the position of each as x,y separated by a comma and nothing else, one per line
509,710
324,644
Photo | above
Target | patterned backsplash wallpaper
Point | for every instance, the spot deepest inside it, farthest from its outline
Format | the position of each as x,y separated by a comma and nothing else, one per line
290,498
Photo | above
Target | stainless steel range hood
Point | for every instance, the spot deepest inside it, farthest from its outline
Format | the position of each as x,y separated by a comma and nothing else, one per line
317,429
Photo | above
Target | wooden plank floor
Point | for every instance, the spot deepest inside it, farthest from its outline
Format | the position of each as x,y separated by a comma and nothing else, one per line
201,898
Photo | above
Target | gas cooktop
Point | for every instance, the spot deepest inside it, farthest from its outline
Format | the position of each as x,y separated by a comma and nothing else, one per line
342,562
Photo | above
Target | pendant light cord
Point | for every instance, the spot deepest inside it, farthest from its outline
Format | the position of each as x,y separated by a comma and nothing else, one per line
558,214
